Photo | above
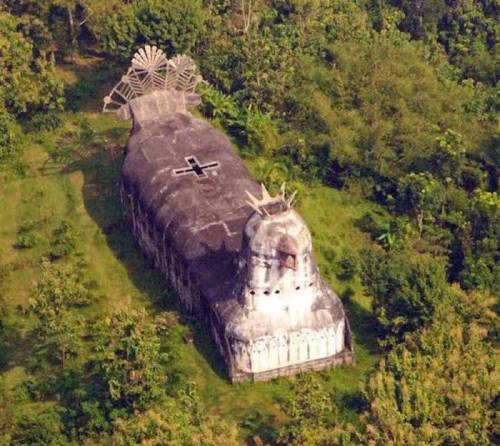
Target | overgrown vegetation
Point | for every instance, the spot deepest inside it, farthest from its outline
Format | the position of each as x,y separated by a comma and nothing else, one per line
382,114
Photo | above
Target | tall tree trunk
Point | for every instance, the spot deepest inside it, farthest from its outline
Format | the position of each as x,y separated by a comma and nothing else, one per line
246,9
420,223
72,33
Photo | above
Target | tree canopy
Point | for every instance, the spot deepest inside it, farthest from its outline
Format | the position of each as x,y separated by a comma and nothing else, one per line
391,106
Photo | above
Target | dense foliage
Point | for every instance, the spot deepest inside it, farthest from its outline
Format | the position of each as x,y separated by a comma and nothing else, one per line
438,387
178,421
312,417
174,25
29,91
129,359
394,103
406,289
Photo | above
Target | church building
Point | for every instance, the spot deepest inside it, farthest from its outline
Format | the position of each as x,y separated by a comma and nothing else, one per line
239,259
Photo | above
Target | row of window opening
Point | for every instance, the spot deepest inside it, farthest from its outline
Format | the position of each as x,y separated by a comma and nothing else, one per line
268,292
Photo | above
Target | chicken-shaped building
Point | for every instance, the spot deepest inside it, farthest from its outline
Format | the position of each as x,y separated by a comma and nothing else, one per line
239,259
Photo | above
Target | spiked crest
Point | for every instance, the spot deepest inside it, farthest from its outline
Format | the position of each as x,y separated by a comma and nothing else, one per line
263,204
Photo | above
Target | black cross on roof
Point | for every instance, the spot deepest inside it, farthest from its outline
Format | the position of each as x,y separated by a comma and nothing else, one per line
196,168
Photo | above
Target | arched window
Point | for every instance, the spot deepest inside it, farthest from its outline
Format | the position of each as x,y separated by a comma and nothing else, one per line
287,252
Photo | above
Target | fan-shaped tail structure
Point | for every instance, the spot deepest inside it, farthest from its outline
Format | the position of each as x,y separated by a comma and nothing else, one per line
150,71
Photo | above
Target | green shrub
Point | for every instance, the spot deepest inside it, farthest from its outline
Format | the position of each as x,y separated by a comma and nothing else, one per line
312,416
173,25
49,120
481,273
37,429
259,131
60,288
406,288
129,360
26,238
117,32
29,89
347,266
26,241
219,106
28,85
347,295
64,240
9,136
176,421
328,253
437,387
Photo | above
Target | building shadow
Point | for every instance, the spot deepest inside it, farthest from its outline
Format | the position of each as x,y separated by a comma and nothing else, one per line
14,346
95,76
101,173
364,326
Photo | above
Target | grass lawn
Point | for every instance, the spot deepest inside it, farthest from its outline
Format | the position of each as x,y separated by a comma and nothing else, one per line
72,173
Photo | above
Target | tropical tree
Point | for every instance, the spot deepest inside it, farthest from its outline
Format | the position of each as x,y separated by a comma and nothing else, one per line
307,409
178,421
173,25
480,243
42,427
406,288
63,241
29,89
60,288
420,196
129,359
438,387
312,417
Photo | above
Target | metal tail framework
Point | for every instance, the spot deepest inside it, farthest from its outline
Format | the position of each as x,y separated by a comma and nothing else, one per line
267,199
151,71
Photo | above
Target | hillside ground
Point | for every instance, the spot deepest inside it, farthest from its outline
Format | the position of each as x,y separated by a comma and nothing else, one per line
72,173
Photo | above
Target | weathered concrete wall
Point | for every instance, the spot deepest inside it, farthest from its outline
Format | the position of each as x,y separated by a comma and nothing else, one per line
159,249
271,352
345,357
261,356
